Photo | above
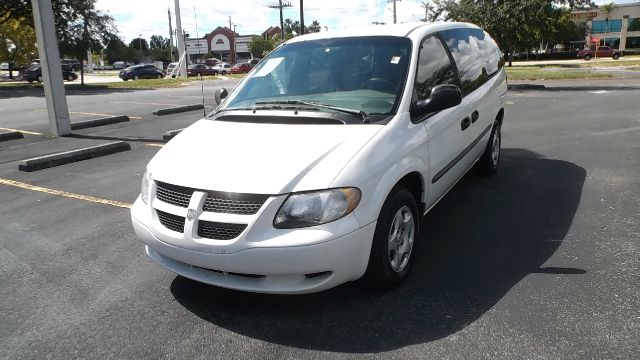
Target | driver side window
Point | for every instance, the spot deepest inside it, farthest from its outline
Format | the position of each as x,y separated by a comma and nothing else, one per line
434,68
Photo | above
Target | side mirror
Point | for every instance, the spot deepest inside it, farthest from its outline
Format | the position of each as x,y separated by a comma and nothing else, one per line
220,95
442,97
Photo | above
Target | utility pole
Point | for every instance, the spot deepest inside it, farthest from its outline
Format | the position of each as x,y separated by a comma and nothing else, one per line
280,5
51,68
395,18
181,44
170,36
301,17
232,45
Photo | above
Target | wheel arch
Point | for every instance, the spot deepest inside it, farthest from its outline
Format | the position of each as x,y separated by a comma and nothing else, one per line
408,173
500,116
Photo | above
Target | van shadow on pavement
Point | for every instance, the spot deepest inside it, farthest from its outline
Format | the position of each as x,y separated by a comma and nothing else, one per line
484,237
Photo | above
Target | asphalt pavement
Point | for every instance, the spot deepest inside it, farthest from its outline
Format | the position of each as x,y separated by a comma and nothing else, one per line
539,261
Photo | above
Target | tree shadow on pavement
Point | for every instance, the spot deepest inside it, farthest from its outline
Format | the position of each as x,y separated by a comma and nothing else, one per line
484,237
30,90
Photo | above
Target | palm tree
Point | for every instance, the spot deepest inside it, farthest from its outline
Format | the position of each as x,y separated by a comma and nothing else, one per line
606,9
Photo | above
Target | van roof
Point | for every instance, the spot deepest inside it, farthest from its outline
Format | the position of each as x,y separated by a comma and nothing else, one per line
400,30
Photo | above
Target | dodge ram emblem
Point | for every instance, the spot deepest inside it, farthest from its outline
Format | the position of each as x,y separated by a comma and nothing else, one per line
191,214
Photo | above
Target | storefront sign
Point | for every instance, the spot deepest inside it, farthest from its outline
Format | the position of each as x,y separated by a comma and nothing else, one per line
584,15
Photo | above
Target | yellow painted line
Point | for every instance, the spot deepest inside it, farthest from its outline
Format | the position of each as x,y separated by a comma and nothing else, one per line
69,195
142,103
93,114
22,131
155,145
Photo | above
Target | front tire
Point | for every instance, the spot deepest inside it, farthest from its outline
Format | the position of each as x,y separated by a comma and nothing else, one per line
393,247
136,77
488,163
587,57
616,56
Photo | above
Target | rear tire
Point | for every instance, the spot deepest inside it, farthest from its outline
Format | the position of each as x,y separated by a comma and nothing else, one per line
488,163
159,76
39,78
70,78
393,247
136,77
587,57
615,56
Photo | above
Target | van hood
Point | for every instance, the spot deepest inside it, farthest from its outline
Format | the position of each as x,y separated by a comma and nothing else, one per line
259,158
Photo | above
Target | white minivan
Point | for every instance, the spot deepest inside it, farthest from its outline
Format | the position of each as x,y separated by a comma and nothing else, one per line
318,167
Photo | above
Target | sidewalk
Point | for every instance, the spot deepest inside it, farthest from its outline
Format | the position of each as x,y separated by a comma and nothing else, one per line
572,61
628,84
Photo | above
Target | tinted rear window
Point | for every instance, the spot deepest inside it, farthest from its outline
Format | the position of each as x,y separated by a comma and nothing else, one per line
476,55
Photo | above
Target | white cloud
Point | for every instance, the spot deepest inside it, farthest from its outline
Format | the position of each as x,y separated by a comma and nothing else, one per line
149,17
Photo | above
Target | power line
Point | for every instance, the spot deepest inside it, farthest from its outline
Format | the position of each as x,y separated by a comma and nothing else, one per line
280,5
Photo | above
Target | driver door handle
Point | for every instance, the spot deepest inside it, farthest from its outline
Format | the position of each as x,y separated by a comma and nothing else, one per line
474,116
465,123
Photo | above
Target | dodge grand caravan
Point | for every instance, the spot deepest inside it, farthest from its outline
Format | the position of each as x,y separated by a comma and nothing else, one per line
319,166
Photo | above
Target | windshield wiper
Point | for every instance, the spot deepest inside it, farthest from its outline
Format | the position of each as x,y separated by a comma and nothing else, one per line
364,115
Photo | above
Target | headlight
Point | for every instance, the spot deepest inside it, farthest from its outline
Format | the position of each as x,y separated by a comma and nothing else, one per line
145,186
315,208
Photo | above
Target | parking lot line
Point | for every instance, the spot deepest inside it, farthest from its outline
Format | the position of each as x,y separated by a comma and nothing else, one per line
22,131
69,195
155,145
93,114
142,103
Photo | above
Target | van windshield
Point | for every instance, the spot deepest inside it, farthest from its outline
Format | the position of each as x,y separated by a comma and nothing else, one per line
365,74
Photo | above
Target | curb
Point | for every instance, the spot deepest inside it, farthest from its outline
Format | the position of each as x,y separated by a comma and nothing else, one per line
98,122
171,134
66,157
179,109
526,87
11,135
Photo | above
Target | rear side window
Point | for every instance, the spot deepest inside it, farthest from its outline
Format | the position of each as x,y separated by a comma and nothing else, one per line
476,55
434,68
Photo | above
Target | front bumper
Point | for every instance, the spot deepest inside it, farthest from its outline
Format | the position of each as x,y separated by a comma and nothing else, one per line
326,262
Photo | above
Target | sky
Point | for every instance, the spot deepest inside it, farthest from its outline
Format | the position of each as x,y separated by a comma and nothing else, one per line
199,17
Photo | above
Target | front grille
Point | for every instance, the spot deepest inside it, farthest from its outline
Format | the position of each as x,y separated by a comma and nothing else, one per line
217,201
170,221
244,204
219,231
173,194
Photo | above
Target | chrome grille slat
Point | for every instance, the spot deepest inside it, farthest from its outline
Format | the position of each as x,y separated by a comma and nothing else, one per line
216,201
172,194
219,231
232,206
170,221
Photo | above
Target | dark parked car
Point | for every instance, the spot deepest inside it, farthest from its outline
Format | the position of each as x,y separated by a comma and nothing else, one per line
71,63
240,68
141,72
603,51
200,70
34,73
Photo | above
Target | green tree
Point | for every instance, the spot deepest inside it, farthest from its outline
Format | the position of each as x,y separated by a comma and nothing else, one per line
293,27
79,26
259,46
515,24
117,50
158,42
17,43
139,44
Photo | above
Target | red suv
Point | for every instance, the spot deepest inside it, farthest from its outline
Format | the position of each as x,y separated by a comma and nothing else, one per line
240,68
603,51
